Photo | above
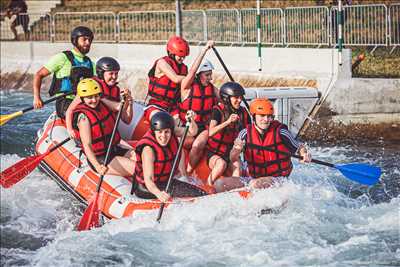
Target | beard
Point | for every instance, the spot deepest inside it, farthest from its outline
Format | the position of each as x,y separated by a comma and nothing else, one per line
83,50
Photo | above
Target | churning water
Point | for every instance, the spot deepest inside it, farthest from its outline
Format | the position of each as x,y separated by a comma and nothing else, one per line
328,221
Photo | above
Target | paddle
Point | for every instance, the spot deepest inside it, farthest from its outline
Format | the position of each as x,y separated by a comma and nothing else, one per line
359,172
5,118
229,74
174,166
90,217
22,168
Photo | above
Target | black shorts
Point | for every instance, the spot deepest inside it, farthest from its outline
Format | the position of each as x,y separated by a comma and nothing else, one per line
22,20
210,154
179,189
62,105
115,151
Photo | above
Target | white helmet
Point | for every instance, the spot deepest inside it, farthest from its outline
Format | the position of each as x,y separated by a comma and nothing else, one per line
205,66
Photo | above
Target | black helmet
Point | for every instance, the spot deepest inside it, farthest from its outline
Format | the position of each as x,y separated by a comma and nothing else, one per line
80,31
162,120
106,64
230,89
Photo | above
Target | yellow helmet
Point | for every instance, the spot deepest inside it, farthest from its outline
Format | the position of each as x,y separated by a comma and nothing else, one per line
88,87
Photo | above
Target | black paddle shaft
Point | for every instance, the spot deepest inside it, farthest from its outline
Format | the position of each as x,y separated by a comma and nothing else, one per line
229,74
177,157
47,101
59,144
111,141
300,157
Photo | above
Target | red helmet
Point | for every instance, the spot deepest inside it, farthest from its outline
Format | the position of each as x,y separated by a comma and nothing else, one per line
178,46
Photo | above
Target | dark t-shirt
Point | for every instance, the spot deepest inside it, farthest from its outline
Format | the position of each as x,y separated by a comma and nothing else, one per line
217,116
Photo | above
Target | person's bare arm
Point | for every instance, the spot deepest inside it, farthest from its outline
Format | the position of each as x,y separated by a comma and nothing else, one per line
215,127
148,159
166,69
193,128
186,83
37,83
127,111
182,165
68,116
236,150
127,115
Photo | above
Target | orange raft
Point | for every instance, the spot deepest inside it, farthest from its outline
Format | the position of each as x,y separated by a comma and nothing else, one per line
68,167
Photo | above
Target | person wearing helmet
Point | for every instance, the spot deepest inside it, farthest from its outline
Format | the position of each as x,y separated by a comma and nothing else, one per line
227,120
264,167
107,69
93,122
155,154
68,68
200,97
167,74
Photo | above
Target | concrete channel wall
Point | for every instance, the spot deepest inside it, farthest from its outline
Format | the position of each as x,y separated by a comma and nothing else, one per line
346,100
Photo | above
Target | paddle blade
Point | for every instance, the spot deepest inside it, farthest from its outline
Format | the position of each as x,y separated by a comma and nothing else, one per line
91,216
5,118
361,173
18,171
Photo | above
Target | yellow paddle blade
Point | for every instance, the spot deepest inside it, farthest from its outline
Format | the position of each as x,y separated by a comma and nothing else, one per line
5,118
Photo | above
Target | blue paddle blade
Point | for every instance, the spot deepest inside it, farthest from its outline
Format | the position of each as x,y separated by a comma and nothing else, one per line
361,173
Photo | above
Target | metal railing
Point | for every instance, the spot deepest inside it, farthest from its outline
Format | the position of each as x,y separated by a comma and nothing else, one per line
150,26
38,26
366,25
394,24
307,26
103,25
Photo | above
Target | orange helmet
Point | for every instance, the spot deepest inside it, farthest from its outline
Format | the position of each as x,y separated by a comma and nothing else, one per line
261,106
178,46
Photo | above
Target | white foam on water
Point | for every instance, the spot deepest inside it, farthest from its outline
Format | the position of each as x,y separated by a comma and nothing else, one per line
320,226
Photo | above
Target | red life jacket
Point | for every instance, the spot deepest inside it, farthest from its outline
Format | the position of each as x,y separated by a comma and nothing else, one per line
109,93
261,162
164,157
164,92
102,122
221,143
201,100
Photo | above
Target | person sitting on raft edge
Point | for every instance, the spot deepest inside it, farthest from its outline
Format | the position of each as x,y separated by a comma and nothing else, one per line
227,120
93,122
167,74
155,155
68,68
201,97
261,142
107,69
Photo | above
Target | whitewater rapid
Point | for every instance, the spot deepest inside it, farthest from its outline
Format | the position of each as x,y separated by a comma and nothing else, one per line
328,220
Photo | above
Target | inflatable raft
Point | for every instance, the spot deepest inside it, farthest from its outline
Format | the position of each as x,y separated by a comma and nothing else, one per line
68,167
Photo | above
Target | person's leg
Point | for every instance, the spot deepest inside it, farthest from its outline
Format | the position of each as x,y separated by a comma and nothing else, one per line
228,183
25,26
121,166
188,142
234,168
217,166
62,105
197,151
13,29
